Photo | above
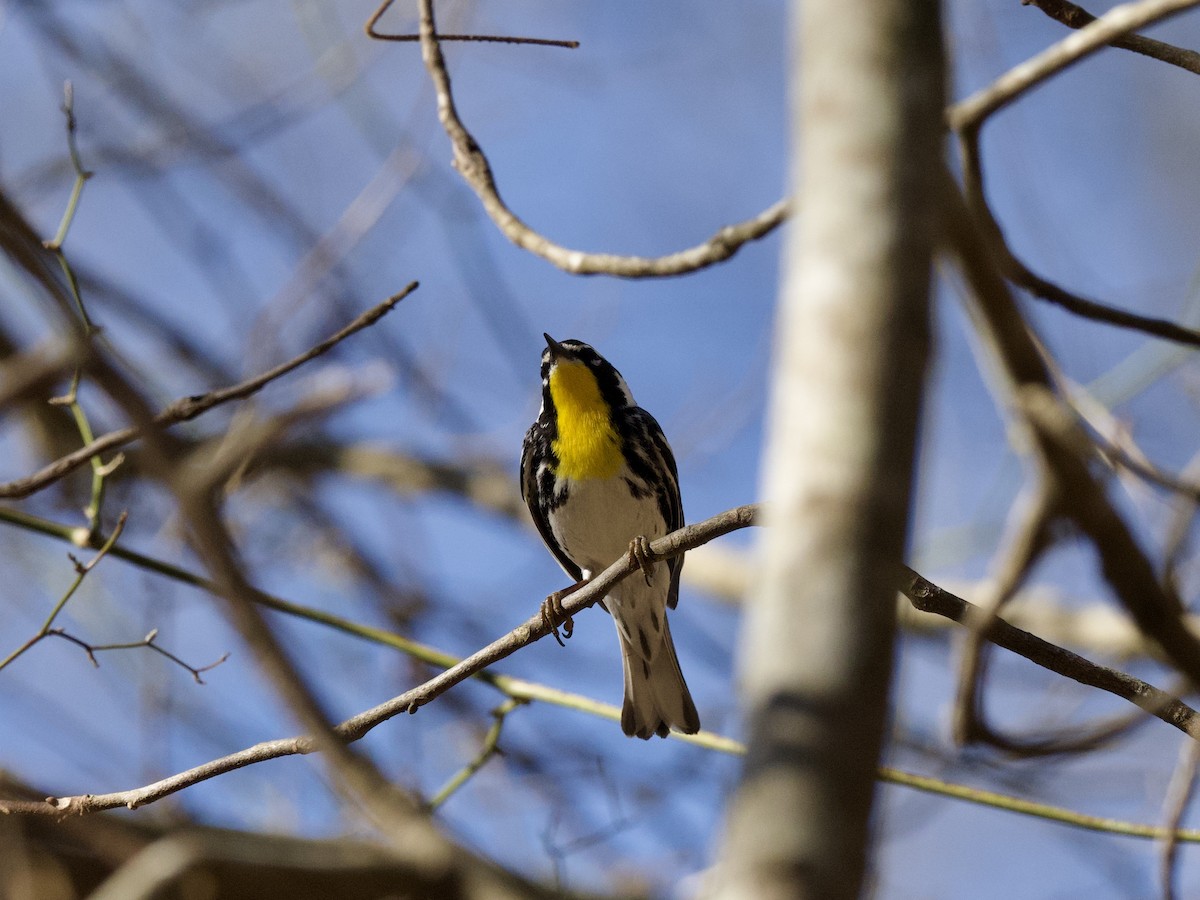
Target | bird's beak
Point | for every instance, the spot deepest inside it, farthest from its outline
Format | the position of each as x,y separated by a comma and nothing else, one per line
556,349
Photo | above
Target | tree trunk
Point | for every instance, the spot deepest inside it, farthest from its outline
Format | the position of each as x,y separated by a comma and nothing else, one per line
852,340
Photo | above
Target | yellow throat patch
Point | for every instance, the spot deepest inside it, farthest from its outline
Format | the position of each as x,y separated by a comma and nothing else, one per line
587,445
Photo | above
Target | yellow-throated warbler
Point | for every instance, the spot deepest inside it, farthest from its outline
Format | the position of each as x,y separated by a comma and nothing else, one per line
600,480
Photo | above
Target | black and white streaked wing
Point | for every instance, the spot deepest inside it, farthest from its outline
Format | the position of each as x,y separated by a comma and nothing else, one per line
656,466
535,460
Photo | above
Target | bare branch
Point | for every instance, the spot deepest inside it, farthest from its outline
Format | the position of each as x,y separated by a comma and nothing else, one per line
82,174
81,572
671,545
1116,447
149,641
1016,271
1116,23
1064,446
475,169
928,597
369,28
1027,539
1030,808
1077,17
1179,795
187,408
490,747
354,728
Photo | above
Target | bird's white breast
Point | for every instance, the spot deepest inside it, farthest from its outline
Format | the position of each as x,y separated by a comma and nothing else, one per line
600,518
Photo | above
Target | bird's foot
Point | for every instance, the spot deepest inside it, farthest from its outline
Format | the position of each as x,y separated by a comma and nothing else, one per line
640,556
553,615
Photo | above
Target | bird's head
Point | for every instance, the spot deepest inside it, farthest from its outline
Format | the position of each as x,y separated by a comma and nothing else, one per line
576,378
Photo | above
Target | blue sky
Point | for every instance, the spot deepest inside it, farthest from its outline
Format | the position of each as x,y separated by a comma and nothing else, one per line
667,123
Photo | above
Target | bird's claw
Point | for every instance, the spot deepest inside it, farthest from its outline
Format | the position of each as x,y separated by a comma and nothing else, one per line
553,615
640,556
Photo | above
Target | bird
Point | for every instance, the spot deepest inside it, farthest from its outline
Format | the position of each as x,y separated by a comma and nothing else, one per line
600,481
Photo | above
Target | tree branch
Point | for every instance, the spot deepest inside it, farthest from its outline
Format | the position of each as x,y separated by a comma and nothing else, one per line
1016,271
928,597
923,594
1117,22
473,166
1077,17
187,408
358,726
383,7
1063,445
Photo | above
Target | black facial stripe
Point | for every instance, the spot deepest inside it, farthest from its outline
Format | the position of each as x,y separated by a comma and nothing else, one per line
607,377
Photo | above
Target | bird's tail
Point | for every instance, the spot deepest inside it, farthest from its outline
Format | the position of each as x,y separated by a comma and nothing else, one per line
657,698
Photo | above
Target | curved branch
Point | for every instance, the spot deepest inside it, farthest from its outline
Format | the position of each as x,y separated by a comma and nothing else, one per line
1021,275
475,169
1116,23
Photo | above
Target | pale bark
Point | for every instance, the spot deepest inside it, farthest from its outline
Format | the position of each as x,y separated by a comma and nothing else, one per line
852,341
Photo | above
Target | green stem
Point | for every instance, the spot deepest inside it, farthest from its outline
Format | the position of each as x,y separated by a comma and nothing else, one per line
55,244
99,470
81,177
81,572
1037,810
489,748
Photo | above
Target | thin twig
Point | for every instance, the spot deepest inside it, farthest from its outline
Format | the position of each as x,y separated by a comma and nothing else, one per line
187,408
1016,271
1032,808
1077,17
489,748
81,572
1115,446
369,28
100,469
928,597
1063,444
473,166
1042,289
1175,804
81,175
1117,22
149,641
1027,539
